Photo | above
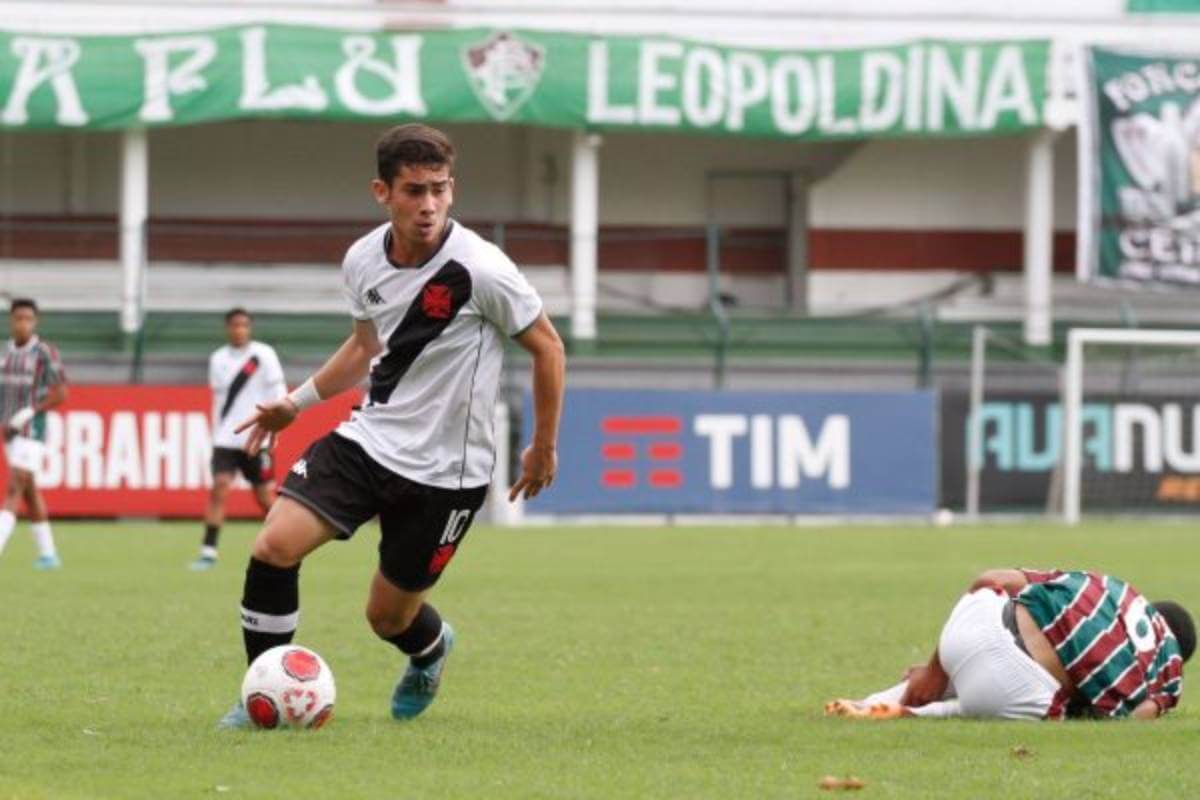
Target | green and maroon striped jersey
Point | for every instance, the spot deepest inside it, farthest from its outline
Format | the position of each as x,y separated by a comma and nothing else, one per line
27,375
1116,648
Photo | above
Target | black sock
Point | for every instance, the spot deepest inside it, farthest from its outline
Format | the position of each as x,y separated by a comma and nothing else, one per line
422,641
270,606
211,532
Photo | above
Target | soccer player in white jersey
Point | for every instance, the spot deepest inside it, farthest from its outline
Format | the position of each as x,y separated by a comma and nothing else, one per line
243,375
34,383
432,304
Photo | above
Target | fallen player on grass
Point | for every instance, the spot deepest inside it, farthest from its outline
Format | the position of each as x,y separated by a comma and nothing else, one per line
1035,644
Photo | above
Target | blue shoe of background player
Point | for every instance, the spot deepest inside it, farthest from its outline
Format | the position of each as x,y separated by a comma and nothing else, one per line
235,719
419,685
48,562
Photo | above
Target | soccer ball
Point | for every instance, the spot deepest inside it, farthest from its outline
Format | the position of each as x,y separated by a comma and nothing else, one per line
289,687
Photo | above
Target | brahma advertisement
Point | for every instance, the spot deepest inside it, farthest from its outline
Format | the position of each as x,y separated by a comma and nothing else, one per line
117,451
744,452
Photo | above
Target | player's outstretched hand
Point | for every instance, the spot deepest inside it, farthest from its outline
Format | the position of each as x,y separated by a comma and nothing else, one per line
268,419
538,467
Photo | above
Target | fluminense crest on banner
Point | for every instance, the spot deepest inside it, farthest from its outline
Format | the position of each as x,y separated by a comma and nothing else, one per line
1140,170
504,71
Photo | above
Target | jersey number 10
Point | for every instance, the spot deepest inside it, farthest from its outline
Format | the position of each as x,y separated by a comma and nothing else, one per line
456,526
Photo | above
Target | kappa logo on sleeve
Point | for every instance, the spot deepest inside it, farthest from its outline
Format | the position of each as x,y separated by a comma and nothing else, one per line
641,449
373,298
301,468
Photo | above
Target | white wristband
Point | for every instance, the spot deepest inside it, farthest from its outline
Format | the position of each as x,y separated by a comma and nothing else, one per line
305,395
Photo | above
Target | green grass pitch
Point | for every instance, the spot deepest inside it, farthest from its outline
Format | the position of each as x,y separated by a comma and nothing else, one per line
592,662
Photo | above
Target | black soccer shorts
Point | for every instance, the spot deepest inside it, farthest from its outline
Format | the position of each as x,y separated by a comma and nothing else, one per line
420,526
257,469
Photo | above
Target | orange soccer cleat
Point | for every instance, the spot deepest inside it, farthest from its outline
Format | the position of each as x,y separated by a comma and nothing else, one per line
856,709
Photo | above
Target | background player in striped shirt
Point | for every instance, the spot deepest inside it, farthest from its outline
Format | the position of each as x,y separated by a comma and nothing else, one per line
1045,644
33,383
243,375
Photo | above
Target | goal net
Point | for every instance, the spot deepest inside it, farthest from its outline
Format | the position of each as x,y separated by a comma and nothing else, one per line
1008,433
1130,422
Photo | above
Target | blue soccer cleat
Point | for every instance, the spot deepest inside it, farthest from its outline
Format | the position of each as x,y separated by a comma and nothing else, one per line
48,562
235,719
202,564
419,686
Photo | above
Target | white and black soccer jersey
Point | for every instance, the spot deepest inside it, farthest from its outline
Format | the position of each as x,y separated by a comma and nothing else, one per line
241,378
428,413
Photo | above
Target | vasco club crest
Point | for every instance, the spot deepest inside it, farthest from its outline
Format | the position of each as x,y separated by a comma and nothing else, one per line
504,71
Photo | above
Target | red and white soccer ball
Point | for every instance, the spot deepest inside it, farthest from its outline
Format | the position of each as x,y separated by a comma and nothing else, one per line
289,687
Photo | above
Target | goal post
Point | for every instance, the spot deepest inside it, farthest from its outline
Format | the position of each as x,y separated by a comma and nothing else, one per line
1130,345
979,338
1004,373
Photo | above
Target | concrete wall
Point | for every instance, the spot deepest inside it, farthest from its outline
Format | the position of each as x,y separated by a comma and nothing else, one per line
282,170
946,184
58,173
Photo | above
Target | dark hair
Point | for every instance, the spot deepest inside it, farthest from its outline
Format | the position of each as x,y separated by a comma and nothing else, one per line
1180,622
23,302
412,145
237,312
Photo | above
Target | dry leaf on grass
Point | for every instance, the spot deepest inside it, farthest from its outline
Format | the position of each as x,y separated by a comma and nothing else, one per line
833,783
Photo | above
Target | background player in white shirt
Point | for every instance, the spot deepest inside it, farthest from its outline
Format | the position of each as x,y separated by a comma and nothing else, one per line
432,304
243,375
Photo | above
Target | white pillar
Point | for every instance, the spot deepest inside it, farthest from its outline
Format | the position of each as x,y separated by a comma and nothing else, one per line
135,204
1039,238
585,215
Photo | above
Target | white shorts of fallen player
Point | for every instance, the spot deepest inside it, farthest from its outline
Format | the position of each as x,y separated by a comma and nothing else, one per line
25,453
991,676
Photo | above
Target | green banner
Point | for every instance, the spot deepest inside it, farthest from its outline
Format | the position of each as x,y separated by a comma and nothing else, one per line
924,88
1140,164
1164,6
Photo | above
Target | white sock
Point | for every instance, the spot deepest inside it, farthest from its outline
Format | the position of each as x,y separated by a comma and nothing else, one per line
891,695
8,521
207,551
43,538
940,708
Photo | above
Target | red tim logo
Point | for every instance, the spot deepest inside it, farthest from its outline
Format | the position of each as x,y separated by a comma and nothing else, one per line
435,301
632,441
301,665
